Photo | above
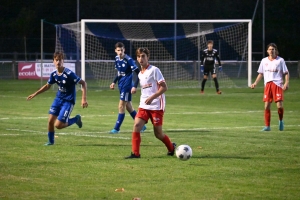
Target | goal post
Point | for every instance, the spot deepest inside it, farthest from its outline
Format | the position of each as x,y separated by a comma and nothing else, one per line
177,54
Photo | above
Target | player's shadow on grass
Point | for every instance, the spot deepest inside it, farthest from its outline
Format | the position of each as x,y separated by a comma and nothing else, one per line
113,145
187,130
221,157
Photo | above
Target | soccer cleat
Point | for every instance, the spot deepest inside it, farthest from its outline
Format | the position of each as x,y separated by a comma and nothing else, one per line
48,144
219,92
266,128
143,129
114,131
281,125
201,92
171,153
79,122
133,156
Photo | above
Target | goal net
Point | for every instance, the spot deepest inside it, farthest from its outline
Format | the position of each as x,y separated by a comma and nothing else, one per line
175,47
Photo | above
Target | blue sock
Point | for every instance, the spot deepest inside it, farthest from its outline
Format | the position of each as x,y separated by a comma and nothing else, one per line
51,137
119,122
72,121
133,114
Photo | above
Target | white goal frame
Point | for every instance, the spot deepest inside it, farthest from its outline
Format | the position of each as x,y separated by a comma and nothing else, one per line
249,21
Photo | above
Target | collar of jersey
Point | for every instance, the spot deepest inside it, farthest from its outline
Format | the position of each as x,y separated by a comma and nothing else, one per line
146,68
61,73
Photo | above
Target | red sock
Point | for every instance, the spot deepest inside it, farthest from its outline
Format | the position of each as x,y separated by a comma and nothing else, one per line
136,142
267,117
280,113
168,143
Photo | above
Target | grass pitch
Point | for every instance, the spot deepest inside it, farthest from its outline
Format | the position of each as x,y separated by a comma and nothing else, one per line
231,159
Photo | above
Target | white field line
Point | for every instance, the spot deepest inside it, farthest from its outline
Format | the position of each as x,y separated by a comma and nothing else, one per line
89,134
80,134
179,113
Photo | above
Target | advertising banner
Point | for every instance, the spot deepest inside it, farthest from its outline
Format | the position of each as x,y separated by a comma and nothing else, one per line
27,70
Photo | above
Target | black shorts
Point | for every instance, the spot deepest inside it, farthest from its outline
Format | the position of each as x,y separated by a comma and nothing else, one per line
209,69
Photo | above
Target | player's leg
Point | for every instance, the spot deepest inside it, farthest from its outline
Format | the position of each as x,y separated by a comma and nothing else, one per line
133,113
278,96
214,76
124,96
140,120
64,120
205,76
53,113
157,121
268,99
51,130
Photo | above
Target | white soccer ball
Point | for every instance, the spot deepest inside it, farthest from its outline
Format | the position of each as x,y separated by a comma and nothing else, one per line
184,152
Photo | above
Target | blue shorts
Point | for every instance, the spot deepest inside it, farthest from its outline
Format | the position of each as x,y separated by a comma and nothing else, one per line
62,109
125,94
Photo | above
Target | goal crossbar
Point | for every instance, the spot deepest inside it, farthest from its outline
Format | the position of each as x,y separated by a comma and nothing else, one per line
249,21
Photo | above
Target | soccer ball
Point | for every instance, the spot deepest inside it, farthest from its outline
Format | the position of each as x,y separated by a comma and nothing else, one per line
184,152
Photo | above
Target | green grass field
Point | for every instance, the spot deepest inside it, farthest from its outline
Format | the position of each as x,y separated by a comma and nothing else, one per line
231,159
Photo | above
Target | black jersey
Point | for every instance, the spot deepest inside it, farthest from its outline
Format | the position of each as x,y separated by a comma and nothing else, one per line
209,57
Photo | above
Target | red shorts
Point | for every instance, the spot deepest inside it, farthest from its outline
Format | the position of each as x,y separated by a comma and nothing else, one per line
156,116
272,92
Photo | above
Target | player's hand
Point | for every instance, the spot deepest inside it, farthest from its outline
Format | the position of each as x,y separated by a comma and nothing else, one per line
133,90
202,68
149,100
84,104
112,86
220,68
31,96
253,85
285,87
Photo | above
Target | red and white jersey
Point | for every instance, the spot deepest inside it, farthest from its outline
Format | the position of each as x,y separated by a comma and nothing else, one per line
273,70
149,81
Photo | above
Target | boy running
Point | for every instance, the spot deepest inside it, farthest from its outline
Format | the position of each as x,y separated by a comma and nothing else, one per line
62,106
152,104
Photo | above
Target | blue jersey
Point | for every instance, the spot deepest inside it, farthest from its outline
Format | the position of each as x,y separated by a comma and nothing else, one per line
66,82
125,67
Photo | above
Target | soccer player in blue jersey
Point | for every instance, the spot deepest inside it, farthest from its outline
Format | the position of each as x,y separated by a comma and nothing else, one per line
125,66
62,106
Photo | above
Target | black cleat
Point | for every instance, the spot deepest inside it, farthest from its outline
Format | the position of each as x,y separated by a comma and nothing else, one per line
171,153
133,156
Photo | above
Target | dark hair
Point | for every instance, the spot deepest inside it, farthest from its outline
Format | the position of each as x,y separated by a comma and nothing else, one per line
119,45
210,42
275,46
142,50
59,55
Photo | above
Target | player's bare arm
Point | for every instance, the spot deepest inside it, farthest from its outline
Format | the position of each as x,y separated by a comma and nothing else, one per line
162,89
84,102
259,77
41,90
287,79
133,89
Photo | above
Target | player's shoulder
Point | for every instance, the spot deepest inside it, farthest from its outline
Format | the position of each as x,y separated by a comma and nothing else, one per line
205,50
127,57
279,58
215,50
68,71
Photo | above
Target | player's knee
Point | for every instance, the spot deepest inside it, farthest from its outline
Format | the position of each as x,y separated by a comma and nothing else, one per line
137,126
59,125
121,108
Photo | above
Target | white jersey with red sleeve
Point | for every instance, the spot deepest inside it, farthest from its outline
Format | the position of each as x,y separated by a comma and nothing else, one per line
149,81
273,70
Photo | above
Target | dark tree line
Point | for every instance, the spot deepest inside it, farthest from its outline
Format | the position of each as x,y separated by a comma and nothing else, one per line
20,19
